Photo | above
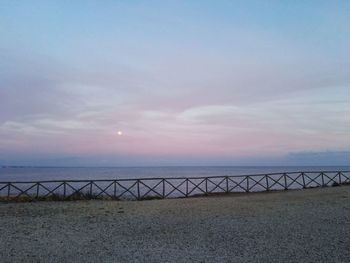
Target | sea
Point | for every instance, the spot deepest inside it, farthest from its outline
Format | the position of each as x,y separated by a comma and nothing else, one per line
13,174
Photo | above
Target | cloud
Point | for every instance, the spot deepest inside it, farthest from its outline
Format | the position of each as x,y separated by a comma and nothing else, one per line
262,96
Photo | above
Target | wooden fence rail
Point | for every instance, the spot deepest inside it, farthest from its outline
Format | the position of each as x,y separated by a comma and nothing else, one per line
153,188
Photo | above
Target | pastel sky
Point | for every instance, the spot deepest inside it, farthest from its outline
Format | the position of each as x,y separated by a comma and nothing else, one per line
187,82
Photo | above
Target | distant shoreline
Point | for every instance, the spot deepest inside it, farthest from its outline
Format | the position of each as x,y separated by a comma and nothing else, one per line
169,166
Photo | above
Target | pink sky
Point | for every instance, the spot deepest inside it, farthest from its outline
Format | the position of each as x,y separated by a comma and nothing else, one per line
177,79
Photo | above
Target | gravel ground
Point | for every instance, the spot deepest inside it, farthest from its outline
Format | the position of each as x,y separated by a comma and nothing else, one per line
294,226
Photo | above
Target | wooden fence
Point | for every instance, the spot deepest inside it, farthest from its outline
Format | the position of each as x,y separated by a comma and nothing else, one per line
152,188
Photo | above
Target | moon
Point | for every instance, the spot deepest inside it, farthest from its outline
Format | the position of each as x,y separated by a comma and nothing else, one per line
120,133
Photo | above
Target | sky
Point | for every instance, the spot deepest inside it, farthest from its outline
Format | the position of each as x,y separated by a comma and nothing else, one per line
128,83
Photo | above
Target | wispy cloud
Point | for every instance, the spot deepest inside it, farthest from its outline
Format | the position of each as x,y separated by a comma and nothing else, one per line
231,88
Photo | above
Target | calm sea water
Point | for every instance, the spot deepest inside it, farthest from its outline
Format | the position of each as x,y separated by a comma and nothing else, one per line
37,174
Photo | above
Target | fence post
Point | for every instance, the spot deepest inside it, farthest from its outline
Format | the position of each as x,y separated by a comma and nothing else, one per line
64,190
339,178
115,190
247,190
8,191
91,190
285,181
267,183
227,190
303,176
206,185
138,189
163,188
322,178
37,190
186,187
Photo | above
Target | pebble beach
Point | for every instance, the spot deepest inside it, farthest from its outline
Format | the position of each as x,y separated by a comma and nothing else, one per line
311,225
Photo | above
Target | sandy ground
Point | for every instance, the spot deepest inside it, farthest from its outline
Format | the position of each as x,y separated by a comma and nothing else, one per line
293,226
